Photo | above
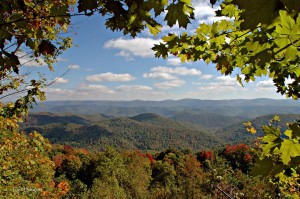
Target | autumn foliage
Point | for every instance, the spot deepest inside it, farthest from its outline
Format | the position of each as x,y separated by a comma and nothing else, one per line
239,156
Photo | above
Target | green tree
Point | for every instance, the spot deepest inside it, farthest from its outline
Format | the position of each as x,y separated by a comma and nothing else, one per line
121,175
30,31
177,175
26,170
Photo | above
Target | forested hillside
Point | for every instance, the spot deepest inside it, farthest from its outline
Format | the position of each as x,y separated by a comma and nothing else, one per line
213,121
237,133
149,131
144,132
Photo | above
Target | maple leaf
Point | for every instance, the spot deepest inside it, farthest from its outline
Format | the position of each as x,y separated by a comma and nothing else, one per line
181,12
46,47
289,149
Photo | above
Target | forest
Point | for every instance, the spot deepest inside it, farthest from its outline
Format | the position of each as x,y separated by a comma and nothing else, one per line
172,173
257,38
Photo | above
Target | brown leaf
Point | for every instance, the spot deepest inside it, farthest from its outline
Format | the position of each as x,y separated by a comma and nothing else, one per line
47,47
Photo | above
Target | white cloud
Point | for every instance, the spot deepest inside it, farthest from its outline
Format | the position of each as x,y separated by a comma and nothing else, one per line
125,54
203,9
206,76
102,92
159,75
175,29
58,91
226,81
110,77
222,84
174,61
265,84
73,66
176,70
205,13
289,81
96,88
140,47
170,84
132,88
170,73
60,80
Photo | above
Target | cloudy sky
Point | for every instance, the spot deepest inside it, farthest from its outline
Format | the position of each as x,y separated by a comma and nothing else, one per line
109,66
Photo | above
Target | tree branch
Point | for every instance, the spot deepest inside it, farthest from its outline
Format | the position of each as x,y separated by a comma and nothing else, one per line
42,17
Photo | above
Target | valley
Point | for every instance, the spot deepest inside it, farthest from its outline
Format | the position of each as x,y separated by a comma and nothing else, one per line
156,126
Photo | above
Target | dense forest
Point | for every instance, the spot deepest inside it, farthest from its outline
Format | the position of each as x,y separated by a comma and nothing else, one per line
149,131
79,173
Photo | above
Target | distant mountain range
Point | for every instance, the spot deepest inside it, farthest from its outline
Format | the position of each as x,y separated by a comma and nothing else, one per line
243,108
145,125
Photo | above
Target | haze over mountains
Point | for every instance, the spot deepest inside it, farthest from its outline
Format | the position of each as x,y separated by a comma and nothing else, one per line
244,108
156,125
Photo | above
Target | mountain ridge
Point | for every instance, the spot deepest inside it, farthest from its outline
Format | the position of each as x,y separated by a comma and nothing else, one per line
246,108
152,132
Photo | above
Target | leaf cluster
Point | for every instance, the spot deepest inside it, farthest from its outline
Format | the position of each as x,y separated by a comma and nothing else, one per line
256,38
132,17
280,157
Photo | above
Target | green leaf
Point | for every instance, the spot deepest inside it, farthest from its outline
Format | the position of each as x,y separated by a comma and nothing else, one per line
271,139
264,167
246,70
289,149
268,11
181,12
282,42
154,30
287,22
295,128
271,134
203,29
289,133
239,79
158,6
229,10
291,53
161,50
295,70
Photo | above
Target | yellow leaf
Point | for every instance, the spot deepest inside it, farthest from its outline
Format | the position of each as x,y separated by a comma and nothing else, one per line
252,130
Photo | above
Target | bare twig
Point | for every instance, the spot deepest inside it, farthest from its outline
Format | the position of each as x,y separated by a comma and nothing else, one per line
226,194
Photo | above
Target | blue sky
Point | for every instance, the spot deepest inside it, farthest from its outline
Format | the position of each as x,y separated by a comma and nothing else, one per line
109,66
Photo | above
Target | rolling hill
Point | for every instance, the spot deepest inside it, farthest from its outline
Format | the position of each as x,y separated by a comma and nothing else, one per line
237,133
144,132
212,121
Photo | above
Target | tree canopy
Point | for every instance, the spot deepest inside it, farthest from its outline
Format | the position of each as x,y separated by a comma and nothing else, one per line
256,38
